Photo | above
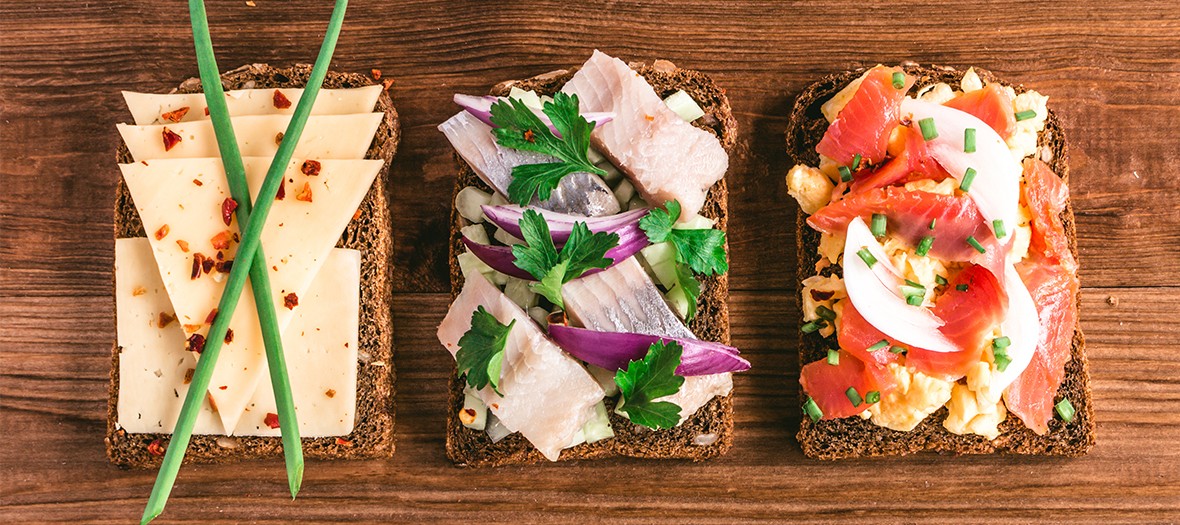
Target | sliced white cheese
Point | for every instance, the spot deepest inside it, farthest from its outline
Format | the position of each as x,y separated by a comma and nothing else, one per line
149,108
325,137
186,195
320,346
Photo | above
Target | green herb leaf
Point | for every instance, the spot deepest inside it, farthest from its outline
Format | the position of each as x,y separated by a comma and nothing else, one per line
702,249
642,382
481,350
691,287
517,127
539,256
550,285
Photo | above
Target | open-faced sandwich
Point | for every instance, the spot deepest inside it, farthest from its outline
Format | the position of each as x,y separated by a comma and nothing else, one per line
939,268
588,267
327,246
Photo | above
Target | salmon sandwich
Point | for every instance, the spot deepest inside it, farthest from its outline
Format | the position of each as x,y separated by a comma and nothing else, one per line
588,262
938,262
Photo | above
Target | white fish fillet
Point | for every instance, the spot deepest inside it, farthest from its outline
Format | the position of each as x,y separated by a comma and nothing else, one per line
548,396
624,299
578,193
664,156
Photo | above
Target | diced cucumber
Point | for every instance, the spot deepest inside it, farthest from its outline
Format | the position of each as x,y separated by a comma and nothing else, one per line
661,258
683,105
476,233
497,200
598,427
697,222
678,301
506,238
495,429
540,315
468,202
594,156
468,263
518,291
605,378
529,98
472,403
624,192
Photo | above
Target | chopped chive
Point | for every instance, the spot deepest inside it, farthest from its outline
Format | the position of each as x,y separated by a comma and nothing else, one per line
898,349
879,345
968,178
940,280
912,283
812,409
856,162
867,257
929,132
913,300
910,291
1065,409
833,357
969,140
975,244
998,225
825,313
853,396
1025,115
932,222
878,225
845,174
873,397
961,287
1002,360
1001,343
924,245
808,328
898,80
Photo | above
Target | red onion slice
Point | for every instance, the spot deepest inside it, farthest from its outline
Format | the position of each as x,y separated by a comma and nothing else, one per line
507,217
613,350
481,108
500,258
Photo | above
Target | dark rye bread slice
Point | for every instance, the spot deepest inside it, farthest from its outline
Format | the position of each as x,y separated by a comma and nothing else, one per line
854,437
467,447
368,232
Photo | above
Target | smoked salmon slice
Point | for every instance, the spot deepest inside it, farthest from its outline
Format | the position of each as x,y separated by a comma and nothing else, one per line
828,385
973,303
863,125
991,105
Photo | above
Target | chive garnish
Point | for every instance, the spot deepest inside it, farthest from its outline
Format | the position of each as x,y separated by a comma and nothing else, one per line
924,245
879,345
969,140
867,257
968,178
1001,343
878,225
853,396
933,222
940,280
246,253
1002,360
1025,115
825,313
812,409
912,283
1065,409
913,291
812,326
897,349
898,80
961,287
975,244
833,357
929,132
845,174
913,300
998,226
856,162
872,397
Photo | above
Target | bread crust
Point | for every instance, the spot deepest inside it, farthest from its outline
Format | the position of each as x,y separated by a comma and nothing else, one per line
369,233
855,437
714,421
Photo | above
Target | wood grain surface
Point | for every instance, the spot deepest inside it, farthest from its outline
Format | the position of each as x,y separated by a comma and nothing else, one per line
1111,69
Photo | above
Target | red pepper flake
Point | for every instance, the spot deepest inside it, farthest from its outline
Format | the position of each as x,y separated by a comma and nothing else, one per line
198,182
291,301
196,343
305,193
387,83
170,139
310,167
223,387
343,442
188,375
165,320
183,245
271,420
229,335
138,291
822,295
649,118
207,265
175,115
330,393
356,214
206,111
221,240
530,136
162,232
220,255
279,195
212,315
279,138
190,328
281,101
224,266
376,74
156,447
227,210
198,261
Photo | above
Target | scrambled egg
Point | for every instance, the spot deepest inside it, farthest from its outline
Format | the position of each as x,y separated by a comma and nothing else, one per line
1021,235
938,93
922,270
830,168
916,396
831,247
810,187
971,81
946,187
819,283
832,107
1023,141
969,416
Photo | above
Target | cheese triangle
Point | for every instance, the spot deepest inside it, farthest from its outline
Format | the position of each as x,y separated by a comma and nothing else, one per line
320,344
325,137
180,204
149,108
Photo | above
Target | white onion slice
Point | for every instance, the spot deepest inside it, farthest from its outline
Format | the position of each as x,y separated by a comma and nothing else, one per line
1021,326
996,187
876,295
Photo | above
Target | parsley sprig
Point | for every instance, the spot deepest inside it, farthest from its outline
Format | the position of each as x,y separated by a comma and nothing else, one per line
517,127
642,382
540,257
481,350
699,250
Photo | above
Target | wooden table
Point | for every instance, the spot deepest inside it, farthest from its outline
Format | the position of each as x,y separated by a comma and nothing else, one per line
1113,75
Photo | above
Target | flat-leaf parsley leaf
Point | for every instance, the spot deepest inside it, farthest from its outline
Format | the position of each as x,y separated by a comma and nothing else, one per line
538,256
481,350
642,382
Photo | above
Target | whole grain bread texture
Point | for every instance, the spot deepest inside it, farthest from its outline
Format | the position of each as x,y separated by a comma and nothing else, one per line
709,432
368,232
854,437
